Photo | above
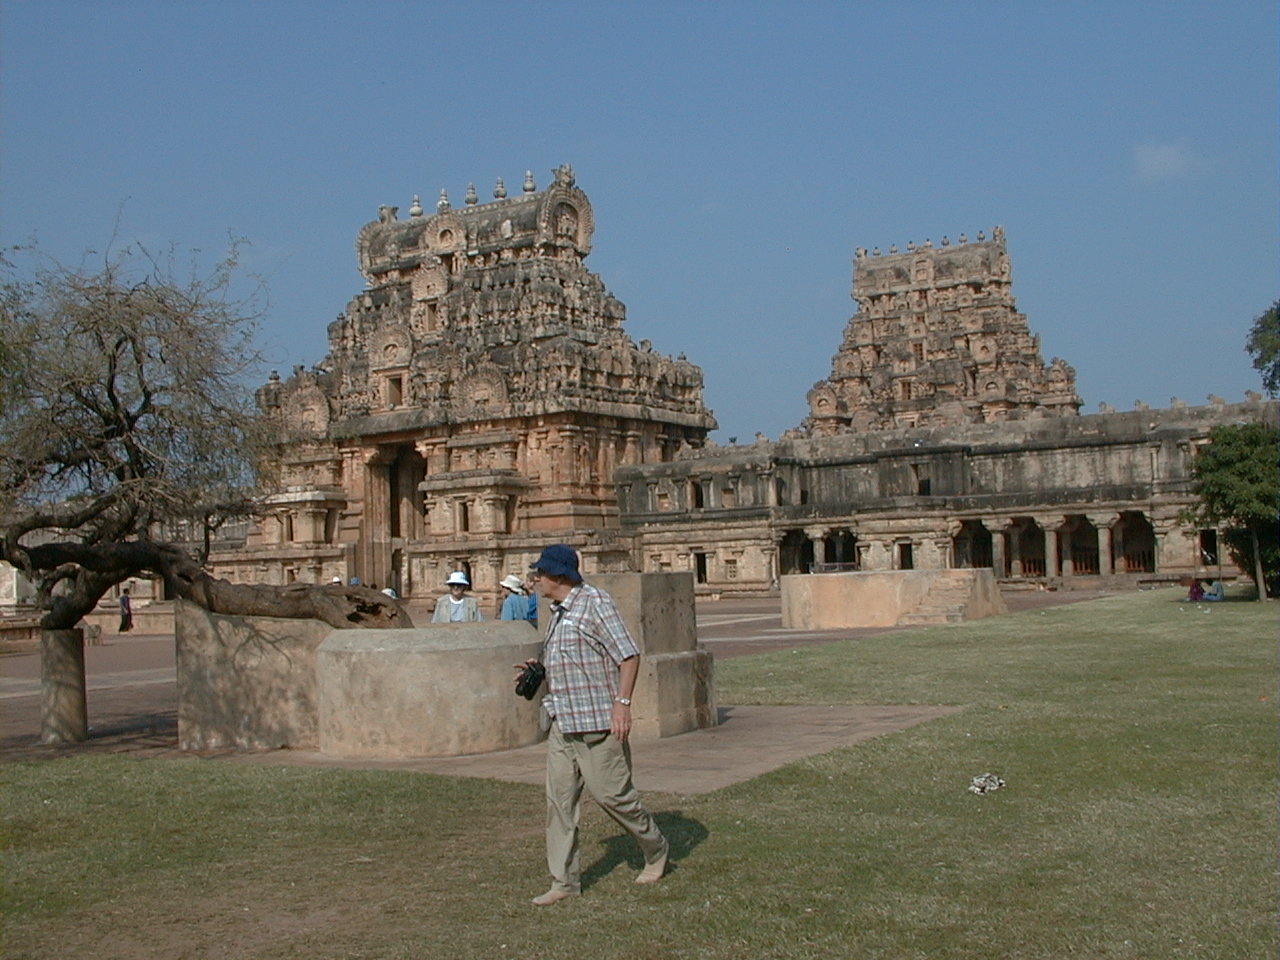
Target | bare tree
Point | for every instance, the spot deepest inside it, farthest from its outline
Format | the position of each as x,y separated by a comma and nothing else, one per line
124,409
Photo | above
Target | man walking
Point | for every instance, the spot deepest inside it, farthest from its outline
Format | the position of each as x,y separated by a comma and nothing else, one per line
592,663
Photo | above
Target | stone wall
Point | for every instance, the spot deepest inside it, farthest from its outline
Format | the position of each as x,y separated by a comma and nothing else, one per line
1045,498
835,601
246,682
436,690
442,690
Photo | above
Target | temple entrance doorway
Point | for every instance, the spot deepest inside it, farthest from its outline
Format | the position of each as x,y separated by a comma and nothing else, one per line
1078,547
971,547
795,552
1134,544
1026,538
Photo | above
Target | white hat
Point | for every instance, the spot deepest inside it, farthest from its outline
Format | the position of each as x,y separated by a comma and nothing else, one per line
512,583
457,577
336,580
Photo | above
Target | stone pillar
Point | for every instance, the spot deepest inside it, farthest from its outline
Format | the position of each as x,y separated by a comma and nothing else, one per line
997,530
495,578
377,519
1105,524
632,447
1050,527
876,555
571,442
1167,530
63,710
817,536
507,456
495,513
1015,551
313,528
942,556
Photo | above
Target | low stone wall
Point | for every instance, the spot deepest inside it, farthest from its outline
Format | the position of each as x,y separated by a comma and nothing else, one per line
831,601
436,690
19,631
442,690
246,682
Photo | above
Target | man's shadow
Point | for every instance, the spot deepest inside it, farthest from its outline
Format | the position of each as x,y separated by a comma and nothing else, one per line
682,833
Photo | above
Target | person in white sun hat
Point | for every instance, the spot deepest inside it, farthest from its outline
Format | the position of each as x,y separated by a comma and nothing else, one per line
455,606
515,606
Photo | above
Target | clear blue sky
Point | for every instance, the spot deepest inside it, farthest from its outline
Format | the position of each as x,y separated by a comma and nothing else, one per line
735,155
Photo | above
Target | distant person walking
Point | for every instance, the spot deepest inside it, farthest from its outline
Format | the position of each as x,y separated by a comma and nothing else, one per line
126,611
592,663
455,606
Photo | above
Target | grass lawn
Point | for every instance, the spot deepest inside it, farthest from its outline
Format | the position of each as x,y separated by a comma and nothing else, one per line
1137,736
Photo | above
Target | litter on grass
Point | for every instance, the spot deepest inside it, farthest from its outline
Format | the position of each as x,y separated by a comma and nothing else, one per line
985,783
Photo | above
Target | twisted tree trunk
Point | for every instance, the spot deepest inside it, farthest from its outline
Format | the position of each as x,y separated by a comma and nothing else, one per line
95,568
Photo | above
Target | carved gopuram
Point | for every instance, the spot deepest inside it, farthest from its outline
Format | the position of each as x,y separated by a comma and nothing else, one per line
475,401
940,441
937,340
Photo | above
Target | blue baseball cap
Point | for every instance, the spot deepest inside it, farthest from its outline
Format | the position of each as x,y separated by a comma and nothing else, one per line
559,560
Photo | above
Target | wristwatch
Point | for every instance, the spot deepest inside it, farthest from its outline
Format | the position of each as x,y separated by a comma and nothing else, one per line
625,701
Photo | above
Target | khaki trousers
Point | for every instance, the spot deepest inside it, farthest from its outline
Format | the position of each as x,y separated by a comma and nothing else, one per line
603,765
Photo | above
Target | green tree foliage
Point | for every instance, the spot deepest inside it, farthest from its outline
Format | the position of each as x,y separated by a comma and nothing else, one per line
1264,346
1238,485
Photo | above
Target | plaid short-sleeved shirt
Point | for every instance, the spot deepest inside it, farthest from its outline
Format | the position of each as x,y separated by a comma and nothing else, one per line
586,642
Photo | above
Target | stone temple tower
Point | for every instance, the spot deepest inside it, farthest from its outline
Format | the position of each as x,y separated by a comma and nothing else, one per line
937,340
475,400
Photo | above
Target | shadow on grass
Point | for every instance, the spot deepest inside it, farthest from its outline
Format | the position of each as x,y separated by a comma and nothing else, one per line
682,833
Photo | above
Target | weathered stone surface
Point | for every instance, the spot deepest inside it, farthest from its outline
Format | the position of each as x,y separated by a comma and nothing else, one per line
246,682
442,690
937,340
1037,499
473,406
433,691
480,401
675,691
888,598
940,441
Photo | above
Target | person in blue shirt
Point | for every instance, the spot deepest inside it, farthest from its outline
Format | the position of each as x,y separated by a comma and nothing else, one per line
533,601
514,604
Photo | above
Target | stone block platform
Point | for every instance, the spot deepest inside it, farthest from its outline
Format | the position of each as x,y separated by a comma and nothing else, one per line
887,598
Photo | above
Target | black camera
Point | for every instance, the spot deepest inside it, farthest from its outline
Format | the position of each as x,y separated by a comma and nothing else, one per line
530,680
